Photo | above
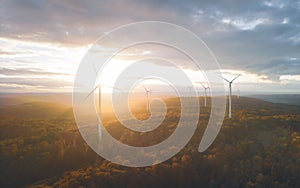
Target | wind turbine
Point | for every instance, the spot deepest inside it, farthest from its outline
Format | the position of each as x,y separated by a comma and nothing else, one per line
99,108
147,95
230,92
205,93
190,91
99,86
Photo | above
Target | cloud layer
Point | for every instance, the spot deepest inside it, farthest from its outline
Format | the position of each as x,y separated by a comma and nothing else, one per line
259,37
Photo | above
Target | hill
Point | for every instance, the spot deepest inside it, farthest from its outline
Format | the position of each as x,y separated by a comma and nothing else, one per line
258,147
8,99
292,99
35,110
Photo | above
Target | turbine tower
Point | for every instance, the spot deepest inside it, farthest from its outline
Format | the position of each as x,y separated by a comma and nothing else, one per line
99,108
205,93
190,91
230,93
147,95
99,103
99,86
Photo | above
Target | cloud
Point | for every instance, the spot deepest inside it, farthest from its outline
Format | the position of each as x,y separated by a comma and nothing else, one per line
259,37
290,77
41,82
70,22
24,71
244,24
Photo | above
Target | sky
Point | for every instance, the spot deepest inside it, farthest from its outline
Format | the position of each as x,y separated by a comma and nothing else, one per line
42,42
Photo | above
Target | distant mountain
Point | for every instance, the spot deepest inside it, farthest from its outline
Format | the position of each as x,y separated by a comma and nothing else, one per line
292,99
33,110
20,98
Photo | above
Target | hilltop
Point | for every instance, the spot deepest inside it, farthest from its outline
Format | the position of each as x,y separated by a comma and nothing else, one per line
292,99
258,147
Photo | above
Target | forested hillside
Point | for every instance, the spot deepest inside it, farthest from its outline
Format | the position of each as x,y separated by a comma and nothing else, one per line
259,147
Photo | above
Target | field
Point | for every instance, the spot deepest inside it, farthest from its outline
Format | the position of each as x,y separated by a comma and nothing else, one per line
42,147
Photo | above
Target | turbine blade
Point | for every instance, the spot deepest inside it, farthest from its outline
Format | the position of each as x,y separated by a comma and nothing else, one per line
95,70
145,88
236,77
111,87
202,85
91,92
205,87
224,78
